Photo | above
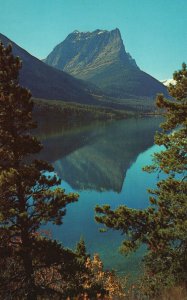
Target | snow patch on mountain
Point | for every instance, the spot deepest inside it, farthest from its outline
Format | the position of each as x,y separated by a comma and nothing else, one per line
167,82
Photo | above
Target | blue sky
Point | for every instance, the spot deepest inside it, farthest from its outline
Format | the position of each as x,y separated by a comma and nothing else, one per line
154,31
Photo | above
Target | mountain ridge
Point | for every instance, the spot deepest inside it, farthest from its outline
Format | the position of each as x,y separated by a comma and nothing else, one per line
47,82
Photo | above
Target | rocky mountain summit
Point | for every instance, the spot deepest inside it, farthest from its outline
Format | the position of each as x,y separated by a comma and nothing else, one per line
85,53
101,58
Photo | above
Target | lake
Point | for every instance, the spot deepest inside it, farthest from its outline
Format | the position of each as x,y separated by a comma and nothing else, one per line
103,163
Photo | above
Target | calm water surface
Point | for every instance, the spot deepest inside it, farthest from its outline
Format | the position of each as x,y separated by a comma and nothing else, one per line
103,163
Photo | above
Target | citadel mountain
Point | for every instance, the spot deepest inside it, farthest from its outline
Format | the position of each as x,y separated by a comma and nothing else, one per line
100,57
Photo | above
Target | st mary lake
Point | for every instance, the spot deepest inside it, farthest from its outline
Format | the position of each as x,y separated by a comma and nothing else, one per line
103,163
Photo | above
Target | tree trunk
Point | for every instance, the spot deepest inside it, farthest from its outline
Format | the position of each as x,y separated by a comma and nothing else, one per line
30,289
26,246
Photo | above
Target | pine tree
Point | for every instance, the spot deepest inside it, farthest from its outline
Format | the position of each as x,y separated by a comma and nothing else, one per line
163,225
81,251
28,197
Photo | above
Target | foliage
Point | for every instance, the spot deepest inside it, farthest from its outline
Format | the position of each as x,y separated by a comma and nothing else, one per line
163,225
32,266
100,283
28,199
70,113
59,273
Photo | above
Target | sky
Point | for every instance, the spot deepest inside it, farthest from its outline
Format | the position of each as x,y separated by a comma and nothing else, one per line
154,32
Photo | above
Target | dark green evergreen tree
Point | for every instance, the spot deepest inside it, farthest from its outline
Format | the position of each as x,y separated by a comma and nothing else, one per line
28,199
80,250
163,225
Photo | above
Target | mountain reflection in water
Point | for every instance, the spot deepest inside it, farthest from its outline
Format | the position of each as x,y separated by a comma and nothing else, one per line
97,156
102,162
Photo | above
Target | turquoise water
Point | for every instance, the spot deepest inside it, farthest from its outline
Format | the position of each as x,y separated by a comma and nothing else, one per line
103,163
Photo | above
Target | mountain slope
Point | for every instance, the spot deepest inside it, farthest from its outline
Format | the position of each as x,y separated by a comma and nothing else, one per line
47,82
100,57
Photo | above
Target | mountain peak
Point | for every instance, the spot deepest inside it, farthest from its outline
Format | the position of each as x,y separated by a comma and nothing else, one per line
82,51
82,35
97,31
101,58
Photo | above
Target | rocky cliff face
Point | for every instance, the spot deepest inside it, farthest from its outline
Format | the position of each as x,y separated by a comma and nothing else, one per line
100,57
83,54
